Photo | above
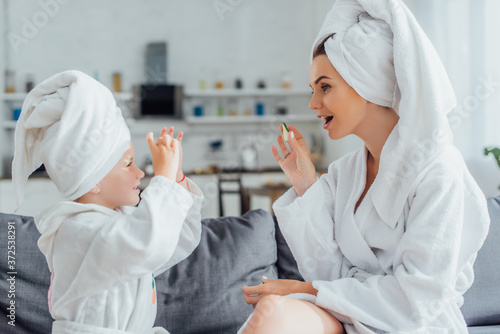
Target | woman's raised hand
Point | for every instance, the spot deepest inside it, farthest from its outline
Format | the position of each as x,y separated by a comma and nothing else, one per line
296,163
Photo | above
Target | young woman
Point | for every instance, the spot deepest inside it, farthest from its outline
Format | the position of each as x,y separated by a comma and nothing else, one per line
386,240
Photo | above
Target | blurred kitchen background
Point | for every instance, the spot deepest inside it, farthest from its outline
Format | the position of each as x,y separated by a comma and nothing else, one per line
227,73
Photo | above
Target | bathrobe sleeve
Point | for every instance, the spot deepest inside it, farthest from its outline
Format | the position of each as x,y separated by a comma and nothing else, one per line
190,232
307,224
432,266
133,245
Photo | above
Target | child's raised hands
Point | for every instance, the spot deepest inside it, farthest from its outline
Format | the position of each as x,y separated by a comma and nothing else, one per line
180,174
165,153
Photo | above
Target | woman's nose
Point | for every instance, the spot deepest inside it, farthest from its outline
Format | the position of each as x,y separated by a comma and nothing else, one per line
314,103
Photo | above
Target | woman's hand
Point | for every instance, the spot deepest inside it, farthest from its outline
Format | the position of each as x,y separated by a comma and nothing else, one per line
281,287
165,153
297,163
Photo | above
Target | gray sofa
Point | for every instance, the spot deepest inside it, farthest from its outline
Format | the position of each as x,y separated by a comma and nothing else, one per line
203,293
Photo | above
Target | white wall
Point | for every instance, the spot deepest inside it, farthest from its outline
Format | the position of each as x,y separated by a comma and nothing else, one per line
258,39
466,40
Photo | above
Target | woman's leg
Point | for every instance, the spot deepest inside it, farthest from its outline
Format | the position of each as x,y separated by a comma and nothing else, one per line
276,314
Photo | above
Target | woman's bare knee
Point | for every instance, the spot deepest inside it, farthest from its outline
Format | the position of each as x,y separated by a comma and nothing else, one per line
276,314
267,316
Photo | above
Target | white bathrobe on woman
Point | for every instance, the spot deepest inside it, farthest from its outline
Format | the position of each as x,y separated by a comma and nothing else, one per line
402,261
384,272
103,261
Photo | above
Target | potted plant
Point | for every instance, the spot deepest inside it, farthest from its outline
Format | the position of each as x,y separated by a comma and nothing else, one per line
496,153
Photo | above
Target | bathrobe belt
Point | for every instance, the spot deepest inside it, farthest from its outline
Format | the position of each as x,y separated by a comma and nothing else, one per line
69,327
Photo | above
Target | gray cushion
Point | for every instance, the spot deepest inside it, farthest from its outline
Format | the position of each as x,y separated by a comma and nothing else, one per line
286,264
32,279
482,301
202,294
484,330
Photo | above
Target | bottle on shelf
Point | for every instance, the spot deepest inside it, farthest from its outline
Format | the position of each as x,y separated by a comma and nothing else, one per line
220,108
30,82
10,85
117,82
202,84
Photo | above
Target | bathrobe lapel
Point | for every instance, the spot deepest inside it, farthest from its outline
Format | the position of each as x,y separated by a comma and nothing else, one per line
351,183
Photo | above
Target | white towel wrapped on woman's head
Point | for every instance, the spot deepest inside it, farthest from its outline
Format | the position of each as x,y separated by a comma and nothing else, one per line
70,123
383,54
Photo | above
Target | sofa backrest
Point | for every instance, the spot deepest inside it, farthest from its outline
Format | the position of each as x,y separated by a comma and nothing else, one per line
31,278
482,301
233,252
202,294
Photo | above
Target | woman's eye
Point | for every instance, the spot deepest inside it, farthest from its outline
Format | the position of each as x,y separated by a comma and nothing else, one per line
130,164
325,87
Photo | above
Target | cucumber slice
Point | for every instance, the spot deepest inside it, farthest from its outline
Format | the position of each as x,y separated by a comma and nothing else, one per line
285,132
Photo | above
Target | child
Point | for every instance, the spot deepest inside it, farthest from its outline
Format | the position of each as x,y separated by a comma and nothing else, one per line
103,254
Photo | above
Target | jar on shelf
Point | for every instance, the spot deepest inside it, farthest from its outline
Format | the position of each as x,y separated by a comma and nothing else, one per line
259,108
286,80
233,107
198,108
281,107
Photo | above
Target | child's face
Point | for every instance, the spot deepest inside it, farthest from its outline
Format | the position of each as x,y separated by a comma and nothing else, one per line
119,187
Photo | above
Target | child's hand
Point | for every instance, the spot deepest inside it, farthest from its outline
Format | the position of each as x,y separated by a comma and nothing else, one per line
180,174
165,155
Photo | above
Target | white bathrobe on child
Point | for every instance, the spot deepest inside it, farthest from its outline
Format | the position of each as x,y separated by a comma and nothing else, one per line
103,260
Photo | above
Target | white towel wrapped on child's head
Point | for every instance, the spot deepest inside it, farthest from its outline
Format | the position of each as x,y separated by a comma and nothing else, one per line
70,123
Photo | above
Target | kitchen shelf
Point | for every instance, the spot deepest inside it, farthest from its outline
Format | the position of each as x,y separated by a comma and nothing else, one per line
16,97
245,92
13,97
250,119
9,124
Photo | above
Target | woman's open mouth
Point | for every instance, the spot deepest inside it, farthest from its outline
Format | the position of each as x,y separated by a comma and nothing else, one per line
328,120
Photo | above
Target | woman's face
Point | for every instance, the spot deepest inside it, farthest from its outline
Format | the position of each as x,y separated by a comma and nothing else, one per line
341,108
